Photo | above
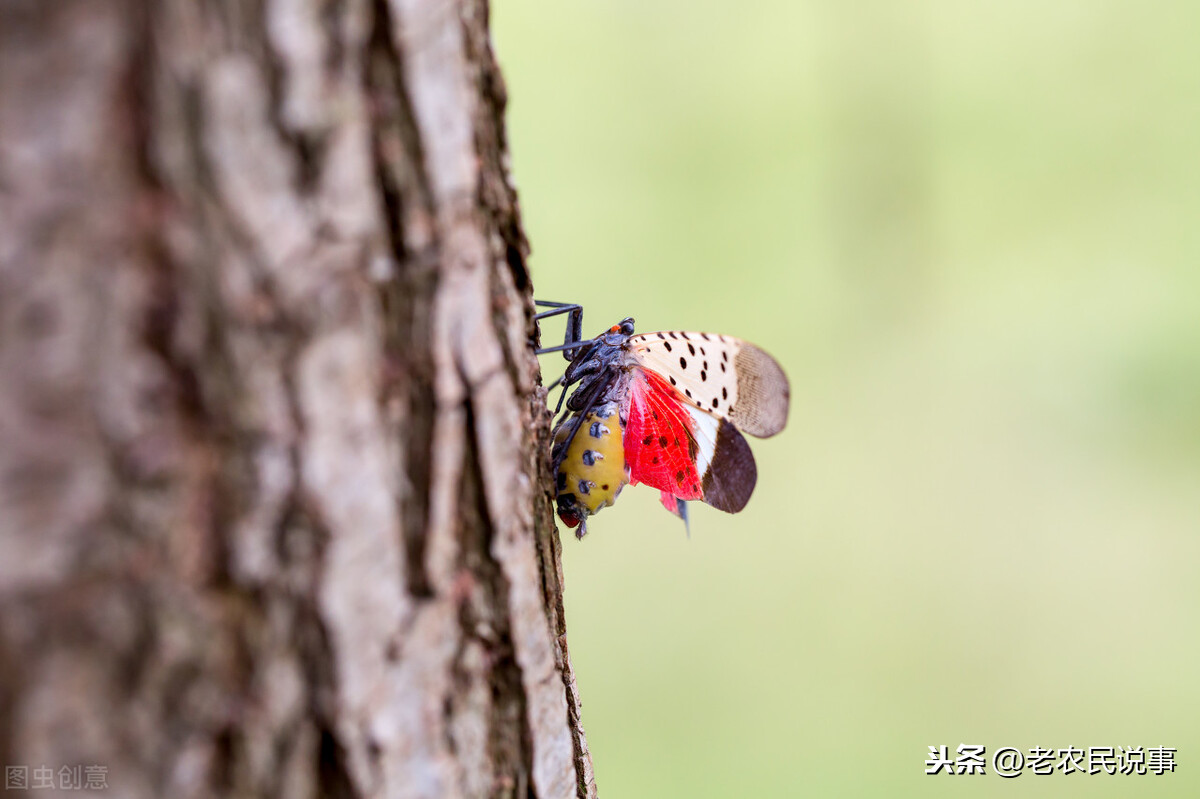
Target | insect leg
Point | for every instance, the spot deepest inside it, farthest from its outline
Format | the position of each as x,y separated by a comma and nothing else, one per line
574,374
566,348
556,307
562,396
574,331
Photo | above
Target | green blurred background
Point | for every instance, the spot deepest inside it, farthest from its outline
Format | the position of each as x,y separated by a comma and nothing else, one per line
971,234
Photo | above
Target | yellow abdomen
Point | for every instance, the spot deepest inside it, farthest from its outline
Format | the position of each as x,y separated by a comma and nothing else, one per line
593,471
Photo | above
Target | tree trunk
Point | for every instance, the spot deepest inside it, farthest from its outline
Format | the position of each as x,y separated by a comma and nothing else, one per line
273,518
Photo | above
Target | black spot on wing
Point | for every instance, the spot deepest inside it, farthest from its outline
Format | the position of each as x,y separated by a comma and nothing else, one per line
667,344
731,475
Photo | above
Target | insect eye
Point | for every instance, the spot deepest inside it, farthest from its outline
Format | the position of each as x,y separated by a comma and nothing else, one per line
626,326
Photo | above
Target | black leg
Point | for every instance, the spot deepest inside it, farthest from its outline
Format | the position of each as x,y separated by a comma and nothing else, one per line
566,347
574,331
579,370
572,340
557,307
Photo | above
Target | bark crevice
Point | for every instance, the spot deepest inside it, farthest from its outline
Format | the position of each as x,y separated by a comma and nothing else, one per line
275,522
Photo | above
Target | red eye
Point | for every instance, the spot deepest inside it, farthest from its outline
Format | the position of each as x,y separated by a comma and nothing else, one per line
569,519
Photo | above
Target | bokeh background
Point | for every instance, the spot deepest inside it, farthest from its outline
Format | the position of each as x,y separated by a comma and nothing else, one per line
971,234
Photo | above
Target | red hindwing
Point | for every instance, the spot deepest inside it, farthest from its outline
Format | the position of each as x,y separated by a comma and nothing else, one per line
660,445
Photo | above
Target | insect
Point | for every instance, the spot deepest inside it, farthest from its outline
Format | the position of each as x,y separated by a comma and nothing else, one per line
664,409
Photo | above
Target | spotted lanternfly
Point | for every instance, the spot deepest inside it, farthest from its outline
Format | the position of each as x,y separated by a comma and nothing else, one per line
665,409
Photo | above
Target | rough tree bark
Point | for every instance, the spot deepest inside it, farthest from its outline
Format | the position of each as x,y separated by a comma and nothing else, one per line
272,508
